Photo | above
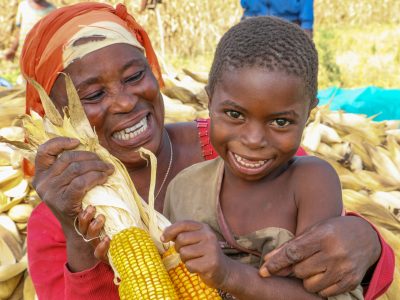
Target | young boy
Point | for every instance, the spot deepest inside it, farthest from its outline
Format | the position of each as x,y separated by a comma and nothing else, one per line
257,195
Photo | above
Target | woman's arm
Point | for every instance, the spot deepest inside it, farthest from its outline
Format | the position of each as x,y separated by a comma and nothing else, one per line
48,269
349,253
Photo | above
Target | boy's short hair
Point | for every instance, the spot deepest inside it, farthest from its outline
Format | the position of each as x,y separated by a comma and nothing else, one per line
269,43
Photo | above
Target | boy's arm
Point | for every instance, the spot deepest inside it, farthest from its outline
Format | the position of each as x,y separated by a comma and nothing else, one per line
318,193
201,252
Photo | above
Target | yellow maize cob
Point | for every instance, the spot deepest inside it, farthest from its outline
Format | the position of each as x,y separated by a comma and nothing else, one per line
143,275
187,285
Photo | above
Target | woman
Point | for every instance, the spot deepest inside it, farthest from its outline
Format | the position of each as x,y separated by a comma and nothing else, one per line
111,62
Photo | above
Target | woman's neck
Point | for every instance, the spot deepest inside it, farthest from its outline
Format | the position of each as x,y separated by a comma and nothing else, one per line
141,176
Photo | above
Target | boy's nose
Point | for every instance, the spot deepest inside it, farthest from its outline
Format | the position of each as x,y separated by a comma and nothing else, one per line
254,136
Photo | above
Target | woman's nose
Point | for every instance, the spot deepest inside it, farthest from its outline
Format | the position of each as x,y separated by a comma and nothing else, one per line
123,101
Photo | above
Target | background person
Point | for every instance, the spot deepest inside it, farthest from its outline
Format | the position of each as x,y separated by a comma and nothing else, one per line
28,14
300,12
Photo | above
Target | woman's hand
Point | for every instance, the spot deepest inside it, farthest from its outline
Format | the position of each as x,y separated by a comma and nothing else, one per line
62,177
90,227
332,257
199,250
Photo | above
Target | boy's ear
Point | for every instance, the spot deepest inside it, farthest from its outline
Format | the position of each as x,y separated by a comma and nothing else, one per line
313,104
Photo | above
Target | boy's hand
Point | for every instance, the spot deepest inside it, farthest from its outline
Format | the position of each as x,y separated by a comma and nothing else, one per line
199,250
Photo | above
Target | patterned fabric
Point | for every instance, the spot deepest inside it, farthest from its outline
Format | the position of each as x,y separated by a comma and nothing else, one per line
42,54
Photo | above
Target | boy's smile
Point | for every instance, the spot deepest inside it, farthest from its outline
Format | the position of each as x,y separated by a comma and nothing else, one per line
257,120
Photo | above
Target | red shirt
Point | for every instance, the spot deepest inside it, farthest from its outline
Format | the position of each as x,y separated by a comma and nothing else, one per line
48,259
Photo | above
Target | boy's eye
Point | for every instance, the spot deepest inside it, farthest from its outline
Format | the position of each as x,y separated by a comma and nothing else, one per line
135,77
234,114
280,122
94,96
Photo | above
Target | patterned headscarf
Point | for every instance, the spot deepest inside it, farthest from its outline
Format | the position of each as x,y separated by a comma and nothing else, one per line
49,47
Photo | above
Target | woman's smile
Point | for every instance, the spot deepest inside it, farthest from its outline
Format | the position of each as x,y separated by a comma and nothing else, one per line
133,131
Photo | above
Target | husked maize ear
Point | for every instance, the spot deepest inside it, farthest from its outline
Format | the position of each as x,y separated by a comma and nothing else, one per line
138,263
187,285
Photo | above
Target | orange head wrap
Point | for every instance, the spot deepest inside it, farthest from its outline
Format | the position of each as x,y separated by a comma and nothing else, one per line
42,54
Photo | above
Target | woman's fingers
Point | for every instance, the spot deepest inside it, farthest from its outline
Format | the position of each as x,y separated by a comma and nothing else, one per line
48,152
311,266
101,250
293,252
90,228
84,218
80,185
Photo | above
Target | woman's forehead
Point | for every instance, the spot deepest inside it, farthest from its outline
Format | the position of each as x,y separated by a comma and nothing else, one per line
115,58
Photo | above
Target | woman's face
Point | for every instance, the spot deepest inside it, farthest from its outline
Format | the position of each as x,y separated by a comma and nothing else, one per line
121,98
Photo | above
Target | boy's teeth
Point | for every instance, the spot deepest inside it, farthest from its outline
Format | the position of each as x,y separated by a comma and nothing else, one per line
248,163
131,132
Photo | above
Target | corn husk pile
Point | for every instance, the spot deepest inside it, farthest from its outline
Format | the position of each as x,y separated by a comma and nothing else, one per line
185,98
17,200
366,155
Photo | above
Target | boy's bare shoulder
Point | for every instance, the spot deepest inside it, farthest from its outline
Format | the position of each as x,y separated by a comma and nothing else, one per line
311,168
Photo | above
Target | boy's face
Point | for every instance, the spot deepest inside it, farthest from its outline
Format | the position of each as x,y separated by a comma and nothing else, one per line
257,120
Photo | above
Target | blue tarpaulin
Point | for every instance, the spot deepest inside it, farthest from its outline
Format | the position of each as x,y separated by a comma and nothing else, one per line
385,103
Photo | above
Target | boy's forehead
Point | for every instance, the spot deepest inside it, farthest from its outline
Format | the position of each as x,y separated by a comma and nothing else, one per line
261,77
249,85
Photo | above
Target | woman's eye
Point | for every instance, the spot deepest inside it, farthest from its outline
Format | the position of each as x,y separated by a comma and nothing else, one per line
234,114
280,123
135,77
93,96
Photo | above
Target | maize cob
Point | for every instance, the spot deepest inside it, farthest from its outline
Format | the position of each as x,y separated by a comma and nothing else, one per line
142,275
187,285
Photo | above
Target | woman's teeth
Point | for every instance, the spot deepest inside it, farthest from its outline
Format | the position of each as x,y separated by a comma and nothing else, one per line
131,132
249,163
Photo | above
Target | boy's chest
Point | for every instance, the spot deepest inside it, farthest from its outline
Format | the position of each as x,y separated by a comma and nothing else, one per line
247,210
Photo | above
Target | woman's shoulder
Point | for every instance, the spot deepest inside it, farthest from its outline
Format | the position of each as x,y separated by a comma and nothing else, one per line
186,142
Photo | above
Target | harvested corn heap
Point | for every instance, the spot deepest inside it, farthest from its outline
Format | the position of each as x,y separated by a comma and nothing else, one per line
133,226
17,200
366,156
